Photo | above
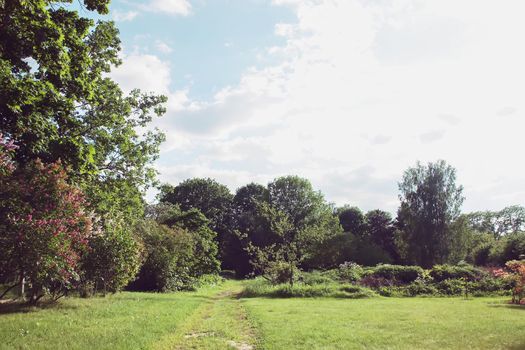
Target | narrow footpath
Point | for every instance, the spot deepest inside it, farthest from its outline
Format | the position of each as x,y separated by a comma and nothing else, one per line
220,322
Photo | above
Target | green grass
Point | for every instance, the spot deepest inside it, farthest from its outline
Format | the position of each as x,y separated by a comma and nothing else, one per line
214,318
121,321
387,323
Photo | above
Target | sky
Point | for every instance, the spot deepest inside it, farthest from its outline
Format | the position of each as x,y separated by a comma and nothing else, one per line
346,93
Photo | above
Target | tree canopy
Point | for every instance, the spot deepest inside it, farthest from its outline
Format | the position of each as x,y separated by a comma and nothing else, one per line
59,103
430,202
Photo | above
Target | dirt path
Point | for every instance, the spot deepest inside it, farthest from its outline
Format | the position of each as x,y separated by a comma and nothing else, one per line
220,323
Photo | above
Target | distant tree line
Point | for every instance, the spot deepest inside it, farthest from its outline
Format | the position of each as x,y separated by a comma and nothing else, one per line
289,222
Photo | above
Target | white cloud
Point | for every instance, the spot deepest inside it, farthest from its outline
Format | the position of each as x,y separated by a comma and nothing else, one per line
163,47
144,71
172,7
359,95
120,16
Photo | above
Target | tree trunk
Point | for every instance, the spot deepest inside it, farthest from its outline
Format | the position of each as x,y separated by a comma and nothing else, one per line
22,286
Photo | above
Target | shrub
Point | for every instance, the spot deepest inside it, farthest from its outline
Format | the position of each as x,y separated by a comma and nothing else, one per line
113,259
278,272
392,291
375,282
315,277
420,287
398,274
451,286
44,229
261,288
443,272
350,272
168,260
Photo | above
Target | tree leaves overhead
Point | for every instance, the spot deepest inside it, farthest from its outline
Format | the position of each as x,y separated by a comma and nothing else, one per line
57,101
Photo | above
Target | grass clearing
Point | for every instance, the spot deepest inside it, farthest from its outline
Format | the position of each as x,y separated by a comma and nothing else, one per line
388,323
214,318
120,321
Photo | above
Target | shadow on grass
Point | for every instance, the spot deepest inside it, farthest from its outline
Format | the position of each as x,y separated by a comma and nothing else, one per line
509,306
18,307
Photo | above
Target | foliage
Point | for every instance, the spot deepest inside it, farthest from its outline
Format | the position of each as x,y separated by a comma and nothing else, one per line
294,223
420,287
180,249
499,223
350,272
430,203
113,258
212,199
6,154
205,250
169,258
247,222
44,229
398,274
348,247
261,288
381,230
351,220
463,271
58,102
517,269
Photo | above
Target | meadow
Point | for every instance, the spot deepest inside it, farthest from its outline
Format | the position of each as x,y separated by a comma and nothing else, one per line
217,318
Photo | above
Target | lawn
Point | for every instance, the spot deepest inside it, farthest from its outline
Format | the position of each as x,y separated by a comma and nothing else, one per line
388,323
213,318
121,321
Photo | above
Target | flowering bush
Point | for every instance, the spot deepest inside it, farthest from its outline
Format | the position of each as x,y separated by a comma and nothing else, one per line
44,228
517,274
6,150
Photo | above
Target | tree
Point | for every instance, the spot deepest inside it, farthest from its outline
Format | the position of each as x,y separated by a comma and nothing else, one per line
213,200
168,258
297,220
246,215
114,257
306,209
277,262
210,197
57,102
379,226
430,202
180,247
352,220
44,229
499,223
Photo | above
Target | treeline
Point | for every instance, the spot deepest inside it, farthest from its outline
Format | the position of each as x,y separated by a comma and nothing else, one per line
289,221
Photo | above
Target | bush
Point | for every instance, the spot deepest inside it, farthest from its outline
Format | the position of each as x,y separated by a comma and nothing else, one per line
350,272
443,272
451,286
315,277
278,272
261,288
113,259
398,274
420,287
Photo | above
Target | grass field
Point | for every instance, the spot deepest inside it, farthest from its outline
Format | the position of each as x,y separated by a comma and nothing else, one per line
213,318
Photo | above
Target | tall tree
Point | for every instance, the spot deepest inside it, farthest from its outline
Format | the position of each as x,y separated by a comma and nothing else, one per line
310,216
247,223
352,220
430,203
57,101
381,231
214,200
